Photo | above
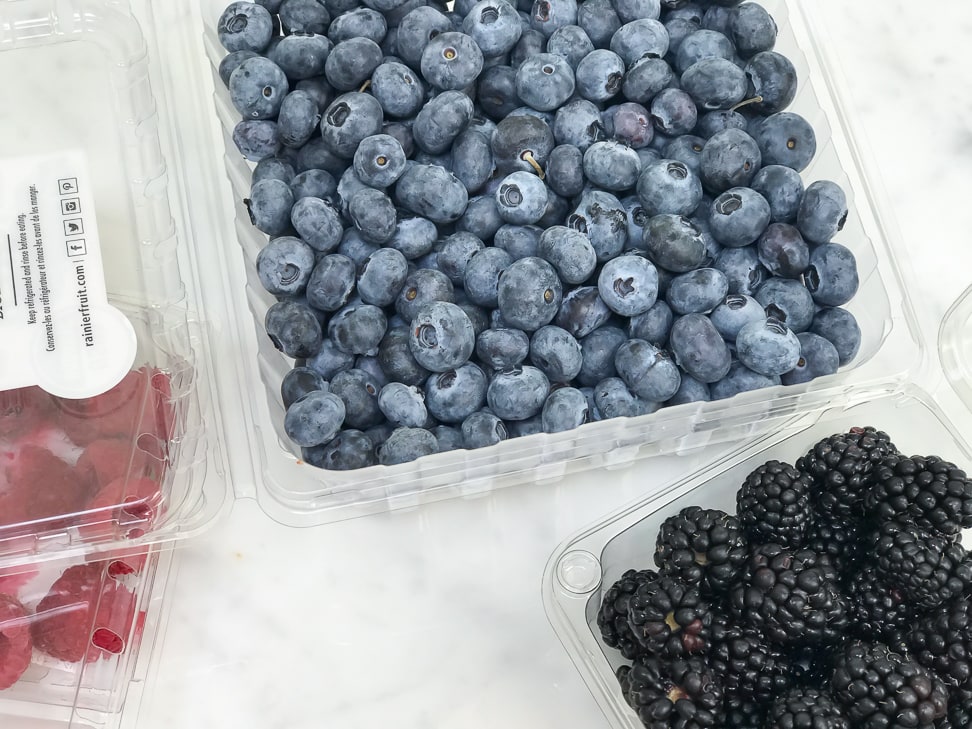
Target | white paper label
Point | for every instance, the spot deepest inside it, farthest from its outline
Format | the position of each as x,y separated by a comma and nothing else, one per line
57,329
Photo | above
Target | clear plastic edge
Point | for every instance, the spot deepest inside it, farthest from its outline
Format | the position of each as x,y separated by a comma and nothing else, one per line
955,346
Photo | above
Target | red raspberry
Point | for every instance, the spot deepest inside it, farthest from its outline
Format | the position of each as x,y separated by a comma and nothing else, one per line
16,646
109,458
39,485
85,613
138,497
23,409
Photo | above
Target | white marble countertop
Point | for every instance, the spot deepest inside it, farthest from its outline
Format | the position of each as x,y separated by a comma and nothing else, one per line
433,618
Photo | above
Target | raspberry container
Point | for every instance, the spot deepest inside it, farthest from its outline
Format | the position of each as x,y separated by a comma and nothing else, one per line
78,637
955,346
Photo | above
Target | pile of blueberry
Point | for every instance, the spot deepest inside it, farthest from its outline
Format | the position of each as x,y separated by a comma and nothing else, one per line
501,219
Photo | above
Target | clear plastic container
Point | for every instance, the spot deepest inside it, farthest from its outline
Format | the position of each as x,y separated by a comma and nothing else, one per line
587,564
955,346
78,638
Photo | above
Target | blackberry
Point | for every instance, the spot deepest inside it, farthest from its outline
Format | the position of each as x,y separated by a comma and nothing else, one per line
959,715
750,669
742,714
842,468
932,493
928,568
806,708
841,540
677,694
701,546
773,505
942,642
876,611
669,617
878,689
812,666
612,617
790,596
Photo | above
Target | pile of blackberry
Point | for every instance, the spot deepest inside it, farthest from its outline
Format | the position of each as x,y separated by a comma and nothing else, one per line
839,596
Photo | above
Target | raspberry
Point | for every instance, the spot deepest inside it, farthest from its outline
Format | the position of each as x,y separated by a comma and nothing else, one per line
64,627
107,459
15,643
23,409
39,486
138,496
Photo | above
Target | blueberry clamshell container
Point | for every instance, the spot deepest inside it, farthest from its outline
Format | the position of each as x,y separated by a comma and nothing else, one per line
88,658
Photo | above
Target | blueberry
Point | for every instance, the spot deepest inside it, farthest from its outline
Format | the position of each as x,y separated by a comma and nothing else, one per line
348,120
316,155
818,358
669,187
302,56
379,160
273,168
358,23
481,277
521,198
570,42
823,211
673,112
701,45
413,193
565,409
405,445
556,353
717,18
330,360
785,139
284,266
598,350
448,438
298,382
611,165
697,292
520,241
783,251
451,61
402,405
715,83
678,30
638,39
645,78
481,217
502,349
517,394
675,243
293,328
318,223
832,277
730,158
649,372
314,183
382,276
637,220
494,25
529,293
472,159
601,216
579,124
547,16
358,329
600,74
599,21
414,237
423,286
569,251
496,91
304,16
768,347
454,254
398,89
531,43
545,81
614,400
245,26
628,284
751,29
742,269
314,419
738,217
258,88
630,124
773,80
269,206
318,87
740,379
734,313
441,336
791,298
629,10
483,429
232,61
713,122
653,325
453,396
441,120
783,189
841,329
690,390
373,214
582,311
349,451
372,367
565,170
397,361
416,29
699,349
359,393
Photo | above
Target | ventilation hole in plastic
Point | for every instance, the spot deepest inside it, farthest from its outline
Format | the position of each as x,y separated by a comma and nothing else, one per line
118,569
108,640
137,509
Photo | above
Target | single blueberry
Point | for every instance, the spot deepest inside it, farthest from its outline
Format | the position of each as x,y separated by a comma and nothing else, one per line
318,223
360,22
823,211
645,37
832,277
349,451
740,379
423,286
653,325
441,336
304,16
397,361
302,56
697,292
614,400
791,297
453,396
768,347
330,360
244,26
818,358
612,165
556,353
314,419
582,311
314,183
358,329
773,81
599,21
398,89
405,445
451,61
529,293
701,45
669,187
481,277
373,214
412,192
521,198
565,409
730,158
602,218
628,284
285,266
699,349
298,382
841,329
599,74
449,438
598,350
649,372
675,243
379,160
293,328
569,251
579,124
645,78
715,83
349,119
472,159
571,42
517,394
734,313
402,405
269,206
783,251
751,28
359,393
482,429
738,217
494,25
547,16
502,349
441,120
783,189
520,241
742,269
690,390
257,88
